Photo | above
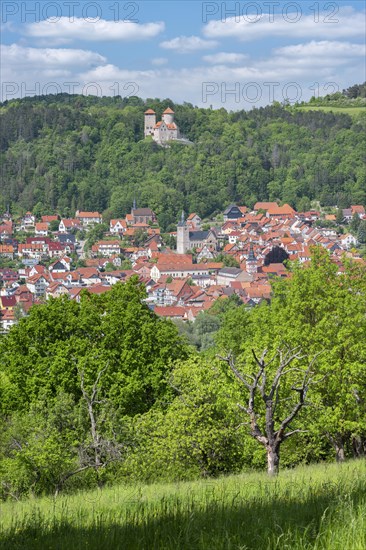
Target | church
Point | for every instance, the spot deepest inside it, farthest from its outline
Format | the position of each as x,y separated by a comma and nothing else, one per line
164,130
187,239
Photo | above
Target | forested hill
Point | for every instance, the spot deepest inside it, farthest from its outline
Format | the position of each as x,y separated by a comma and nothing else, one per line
67,152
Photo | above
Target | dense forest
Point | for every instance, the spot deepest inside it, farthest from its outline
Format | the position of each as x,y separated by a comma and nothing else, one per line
102,391
62,153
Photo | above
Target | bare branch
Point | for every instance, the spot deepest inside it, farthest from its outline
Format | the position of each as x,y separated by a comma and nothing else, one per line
229,360
298,431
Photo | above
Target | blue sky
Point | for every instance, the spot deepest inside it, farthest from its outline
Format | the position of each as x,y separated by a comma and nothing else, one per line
225,54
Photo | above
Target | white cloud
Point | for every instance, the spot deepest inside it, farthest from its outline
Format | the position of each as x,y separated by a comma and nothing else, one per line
223,58
66,30
158,61
345,23
43,58
323,48
228,85
188,44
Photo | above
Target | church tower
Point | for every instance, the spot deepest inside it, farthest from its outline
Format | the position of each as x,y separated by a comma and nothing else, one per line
182,236
251,263
150,122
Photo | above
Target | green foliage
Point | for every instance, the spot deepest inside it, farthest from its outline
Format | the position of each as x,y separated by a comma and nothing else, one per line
95,233
361,232
111,346
228,261
355,223
197,435
203,331
126,264
321,312
139,237
54,224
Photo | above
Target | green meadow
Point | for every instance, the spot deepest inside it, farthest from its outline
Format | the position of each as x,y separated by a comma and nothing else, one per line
310,507
352,111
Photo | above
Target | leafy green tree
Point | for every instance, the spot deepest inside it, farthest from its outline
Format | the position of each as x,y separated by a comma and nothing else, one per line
339,216
99,361
355,223
228,261
139,237
45,350
126,264
318,318
329,318
199,434
95,234
361,232
54,224
37,448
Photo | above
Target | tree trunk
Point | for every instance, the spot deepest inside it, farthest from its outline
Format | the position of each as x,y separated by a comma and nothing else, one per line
273,460
358,447
339,450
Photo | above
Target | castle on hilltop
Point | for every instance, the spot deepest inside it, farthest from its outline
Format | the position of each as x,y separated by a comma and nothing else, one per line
165,130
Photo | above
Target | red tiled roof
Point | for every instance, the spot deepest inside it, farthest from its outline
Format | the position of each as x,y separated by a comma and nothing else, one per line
170,311
41,226
264,205
8,301
284,210
89,215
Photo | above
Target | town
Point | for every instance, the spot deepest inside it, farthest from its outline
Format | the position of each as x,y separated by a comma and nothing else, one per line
237,253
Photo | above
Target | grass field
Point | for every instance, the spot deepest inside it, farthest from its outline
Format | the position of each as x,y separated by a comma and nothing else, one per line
352,111
315,507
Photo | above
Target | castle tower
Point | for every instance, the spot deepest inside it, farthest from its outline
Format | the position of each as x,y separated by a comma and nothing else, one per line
182,236
150,122
168,116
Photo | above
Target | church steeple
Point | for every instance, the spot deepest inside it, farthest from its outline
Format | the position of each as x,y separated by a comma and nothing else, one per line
183,243
251,263
182,222
251,257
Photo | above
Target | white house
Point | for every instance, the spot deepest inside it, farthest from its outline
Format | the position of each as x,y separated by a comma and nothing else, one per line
41,229
27,222
88,218
348,240
117,226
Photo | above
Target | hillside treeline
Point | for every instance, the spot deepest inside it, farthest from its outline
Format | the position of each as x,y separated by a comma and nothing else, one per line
62,153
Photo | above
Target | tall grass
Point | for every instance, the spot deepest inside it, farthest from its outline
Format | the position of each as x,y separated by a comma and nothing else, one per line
314,507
